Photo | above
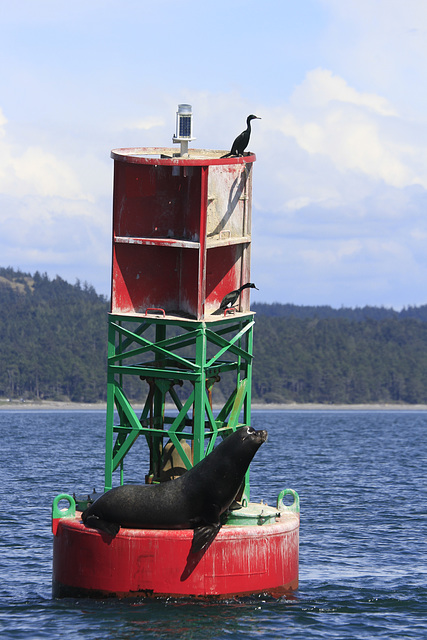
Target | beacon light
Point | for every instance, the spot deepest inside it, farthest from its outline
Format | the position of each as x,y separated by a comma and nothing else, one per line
184,127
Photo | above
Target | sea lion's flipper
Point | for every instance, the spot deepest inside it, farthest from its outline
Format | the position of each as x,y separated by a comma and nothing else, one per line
235,505
204,536
93,522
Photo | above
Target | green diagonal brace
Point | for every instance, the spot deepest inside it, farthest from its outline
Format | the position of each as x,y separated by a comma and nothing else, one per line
130,414
221,417
177,341
228,345
138,331
149,372
189,337
173,394
213,425
150,346
238,404
174,428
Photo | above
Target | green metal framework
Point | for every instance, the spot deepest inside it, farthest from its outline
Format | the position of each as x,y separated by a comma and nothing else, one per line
164,353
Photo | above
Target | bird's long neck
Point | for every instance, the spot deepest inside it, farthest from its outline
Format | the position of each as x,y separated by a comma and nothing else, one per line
245,286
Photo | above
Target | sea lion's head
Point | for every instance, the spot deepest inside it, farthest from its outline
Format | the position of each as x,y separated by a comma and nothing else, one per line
257,436
243,444
250,439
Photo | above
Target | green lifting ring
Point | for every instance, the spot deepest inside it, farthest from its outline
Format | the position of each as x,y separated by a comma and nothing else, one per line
63,513
294,507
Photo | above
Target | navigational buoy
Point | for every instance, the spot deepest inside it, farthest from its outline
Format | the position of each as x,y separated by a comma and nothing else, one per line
181,241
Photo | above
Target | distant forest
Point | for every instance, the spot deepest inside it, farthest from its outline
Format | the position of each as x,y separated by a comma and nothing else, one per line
53,345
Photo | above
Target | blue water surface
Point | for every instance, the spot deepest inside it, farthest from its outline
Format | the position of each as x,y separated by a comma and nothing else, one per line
363,552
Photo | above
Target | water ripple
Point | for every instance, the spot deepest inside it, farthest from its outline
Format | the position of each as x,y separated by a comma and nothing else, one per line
363,554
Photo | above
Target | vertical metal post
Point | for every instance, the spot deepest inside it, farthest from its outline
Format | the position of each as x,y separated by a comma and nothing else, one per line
248,399
199,398
108,480
247,403
159,407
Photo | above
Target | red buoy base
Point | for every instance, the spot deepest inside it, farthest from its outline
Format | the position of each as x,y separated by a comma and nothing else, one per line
242,560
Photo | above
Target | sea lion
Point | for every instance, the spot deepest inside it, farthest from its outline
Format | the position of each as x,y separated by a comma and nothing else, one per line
195,500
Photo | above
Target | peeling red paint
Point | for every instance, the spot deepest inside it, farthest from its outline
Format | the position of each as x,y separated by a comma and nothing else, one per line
181,230
241,560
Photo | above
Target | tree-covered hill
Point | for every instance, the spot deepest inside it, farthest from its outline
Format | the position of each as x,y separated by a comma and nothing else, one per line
53,345
277,310
340,361
52,338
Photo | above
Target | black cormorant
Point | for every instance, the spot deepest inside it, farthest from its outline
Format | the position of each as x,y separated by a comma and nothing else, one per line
242,141
231,297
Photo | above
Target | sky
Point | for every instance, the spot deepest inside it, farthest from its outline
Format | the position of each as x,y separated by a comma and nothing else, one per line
340,181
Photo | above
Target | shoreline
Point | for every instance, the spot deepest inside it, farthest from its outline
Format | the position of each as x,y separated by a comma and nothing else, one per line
47,405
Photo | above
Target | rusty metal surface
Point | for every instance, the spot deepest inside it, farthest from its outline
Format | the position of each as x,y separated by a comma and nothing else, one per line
181,231
168,156
229,191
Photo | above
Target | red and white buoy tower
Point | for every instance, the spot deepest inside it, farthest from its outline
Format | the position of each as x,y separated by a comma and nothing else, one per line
181,241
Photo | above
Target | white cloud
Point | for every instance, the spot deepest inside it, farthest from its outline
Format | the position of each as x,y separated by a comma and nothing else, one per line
53,217
331,146
34,171
328,118
346,249
39,172
322,88
148,123
71,238
371,251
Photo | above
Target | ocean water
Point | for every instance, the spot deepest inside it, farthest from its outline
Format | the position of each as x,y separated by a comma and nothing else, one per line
363,551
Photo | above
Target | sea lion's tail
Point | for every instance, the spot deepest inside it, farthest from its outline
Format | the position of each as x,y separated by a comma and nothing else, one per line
203,537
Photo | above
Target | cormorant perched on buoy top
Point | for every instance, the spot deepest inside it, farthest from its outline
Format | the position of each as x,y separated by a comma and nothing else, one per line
231,297
242,141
